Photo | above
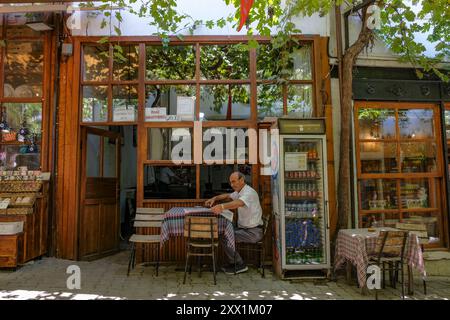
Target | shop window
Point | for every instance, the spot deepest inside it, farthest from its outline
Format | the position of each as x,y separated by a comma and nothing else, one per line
221,62
95,62
170,102
16,24
378,157
418,157
14,156
270,100
172,63
379,194
126,63
222,145
300,100
95,103
416,123
22,122
376,123
215,180
298,67
398,169
125,103
169,182
224,102
23,69
170,144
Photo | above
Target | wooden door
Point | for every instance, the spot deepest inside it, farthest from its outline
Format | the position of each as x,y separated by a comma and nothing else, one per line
99,223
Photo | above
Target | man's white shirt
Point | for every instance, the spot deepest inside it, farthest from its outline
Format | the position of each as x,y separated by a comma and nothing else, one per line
250,215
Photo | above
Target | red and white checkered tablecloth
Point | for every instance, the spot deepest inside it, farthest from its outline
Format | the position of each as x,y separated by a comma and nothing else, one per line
173,225
355,245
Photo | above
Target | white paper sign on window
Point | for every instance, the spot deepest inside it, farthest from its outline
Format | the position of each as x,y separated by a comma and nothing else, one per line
185,107
124,113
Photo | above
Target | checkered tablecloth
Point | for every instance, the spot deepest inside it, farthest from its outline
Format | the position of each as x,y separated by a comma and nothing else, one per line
355,245
173,225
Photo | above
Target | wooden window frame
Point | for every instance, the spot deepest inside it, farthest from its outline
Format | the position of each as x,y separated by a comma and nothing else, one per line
434,179
197,41
47,88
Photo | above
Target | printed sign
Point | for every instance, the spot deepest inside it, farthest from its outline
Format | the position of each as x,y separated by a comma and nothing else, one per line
296,161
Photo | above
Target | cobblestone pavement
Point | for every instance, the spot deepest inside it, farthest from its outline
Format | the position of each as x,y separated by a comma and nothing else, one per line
106,279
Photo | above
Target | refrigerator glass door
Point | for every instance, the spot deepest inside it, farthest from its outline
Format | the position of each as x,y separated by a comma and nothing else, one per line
304,202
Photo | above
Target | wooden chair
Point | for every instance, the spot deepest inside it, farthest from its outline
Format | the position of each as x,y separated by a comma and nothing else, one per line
389,250
202,239
145,221
258,247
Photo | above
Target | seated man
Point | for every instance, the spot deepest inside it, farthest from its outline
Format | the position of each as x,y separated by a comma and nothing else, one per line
249,229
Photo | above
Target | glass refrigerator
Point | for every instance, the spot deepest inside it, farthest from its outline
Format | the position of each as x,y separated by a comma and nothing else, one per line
300,197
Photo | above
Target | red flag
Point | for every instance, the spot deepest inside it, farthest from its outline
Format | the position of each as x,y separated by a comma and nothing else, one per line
246,5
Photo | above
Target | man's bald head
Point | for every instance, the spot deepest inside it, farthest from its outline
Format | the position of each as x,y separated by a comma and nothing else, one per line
237,181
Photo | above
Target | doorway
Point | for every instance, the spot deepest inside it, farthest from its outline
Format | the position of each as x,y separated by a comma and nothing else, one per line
99,222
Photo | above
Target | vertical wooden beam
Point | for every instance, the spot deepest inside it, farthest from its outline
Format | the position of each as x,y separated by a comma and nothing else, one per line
142,139
325,88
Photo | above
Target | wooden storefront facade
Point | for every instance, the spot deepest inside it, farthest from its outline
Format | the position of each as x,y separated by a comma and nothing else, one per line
72,120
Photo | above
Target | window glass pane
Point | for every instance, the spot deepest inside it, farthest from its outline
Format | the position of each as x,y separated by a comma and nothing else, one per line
125,102
376,123
95,63
427,222
300,101
378,194
174,62
24,121
169,144
220,144
224,102
415,193
270,100
215,180
224,62
418,156
447,123
378,157
24,67
380,219
176,182
126,63
299,66
94,102
178,102
13,156
416,123
109,157
93,155
16,24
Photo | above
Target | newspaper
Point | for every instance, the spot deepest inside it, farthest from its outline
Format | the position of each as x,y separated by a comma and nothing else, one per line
227,214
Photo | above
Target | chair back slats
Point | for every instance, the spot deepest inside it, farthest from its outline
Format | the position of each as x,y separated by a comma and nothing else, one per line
149,211
147,224
201,227
391,244
145,217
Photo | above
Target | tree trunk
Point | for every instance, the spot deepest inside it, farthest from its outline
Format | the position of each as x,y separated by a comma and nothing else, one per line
348,61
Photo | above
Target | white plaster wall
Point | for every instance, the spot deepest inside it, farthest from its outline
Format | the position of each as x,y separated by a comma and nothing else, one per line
198,9
379,55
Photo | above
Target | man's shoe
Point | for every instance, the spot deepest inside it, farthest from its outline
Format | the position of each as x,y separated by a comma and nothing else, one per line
228,266
239,269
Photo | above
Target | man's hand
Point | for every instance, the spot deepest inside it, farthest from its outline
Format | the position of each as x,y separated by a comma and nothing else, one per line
209,203
217,209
